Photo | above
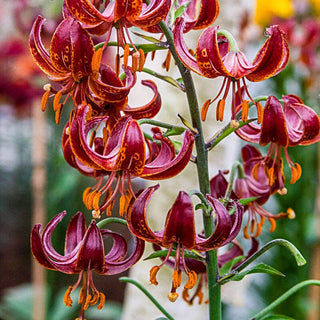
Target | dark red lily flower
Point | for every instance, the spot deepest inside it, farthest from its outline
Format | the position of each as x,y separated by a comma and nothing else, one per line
256,184
122,152
73,63
84,252
179,232
283,126
215,58
121,15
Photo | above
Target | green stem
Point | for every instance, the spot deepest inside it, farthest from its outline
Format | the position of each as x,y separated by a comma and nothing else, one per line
203,176
285,296
148,294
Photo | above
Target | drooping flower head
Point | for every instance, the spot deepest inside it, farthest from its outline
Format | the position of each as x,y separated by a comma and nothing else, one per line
285,126
217,54
179,232
121,152
83,253
72,64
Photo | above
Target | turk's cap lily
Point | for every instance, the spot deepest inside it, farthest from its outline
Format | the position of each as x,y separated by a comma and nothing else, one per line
84,251
179,232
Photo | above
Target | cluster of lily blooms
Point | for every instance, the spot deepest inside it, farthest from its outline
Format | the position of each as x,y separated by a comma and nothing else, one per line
104,140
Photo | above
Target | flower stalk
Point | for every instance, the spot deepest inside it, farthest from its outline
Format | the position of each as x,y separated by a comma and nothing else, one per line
214,289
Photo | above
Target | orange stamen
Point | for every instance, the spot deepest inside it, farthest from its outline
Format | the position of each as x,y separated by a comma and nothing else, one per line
126,55
273,224
245,232
56,101
204,109
82,296
102,301
96,214
67,299
269,173
58,113
87,303
192,280
166,63
85,194
259,112
176,279
124,203
295,173
258,230
135,59
142,60
255,171
44,100
153,275
95,63
95,200
220,109
245,110
291,213
283,191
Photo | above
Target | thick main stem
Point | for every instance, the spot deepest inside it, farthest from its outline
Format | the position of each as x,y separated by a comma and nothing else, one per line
203,176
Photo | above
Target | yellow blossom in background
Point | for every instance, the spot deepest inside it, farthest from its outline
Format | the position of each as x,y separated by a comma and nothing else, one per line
315,6
265,10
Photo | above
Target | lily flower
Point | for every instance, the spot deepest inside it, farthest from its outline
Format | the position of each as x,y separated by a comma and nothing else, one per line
179,232
255,183
120,15
83,253
72,63
217,54
122,152
285,126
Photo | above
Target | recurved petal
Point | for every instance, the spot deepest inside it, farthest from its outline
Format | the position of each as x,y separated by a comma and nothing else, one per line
302,121
40,54
208,54
273,128
115,267
119,247
71,49
150,109
37,248
272,57
137,217
75,232
222,230
152,13
109,87
163,168
84,11
91,253
207,14
184,55
180,226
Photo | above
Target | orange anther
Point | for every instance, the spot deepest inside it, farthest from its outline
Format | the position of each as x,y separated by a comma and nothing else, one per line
124,203
192,280
252,225
153,275
102,301
44,100
176,279
135,60
295,173
258,230
142,60
259,112
273,224
126,55
58,113
245,110
245,232
95,63
67,299
82,296
255,171
166,63
56,101
204,109
283,191
220,109
95,200
87,303
291,213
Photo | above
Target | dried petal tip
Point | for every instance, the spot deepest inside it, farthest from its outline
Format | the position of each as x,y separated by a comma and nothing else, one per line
153,275
283,191
234,124
173,296
96,214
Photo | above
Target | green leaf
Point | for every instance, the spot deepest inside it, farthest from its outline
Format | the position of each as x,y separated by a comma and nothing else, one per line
179,12
174,131
259,268
226,268
277,317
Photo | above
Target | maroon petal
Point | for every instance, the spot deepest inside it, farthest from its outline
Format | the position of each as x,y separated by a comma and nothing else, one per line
91,253
149,110
272,57
75,232
180,225
137,219
273,128
163,168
